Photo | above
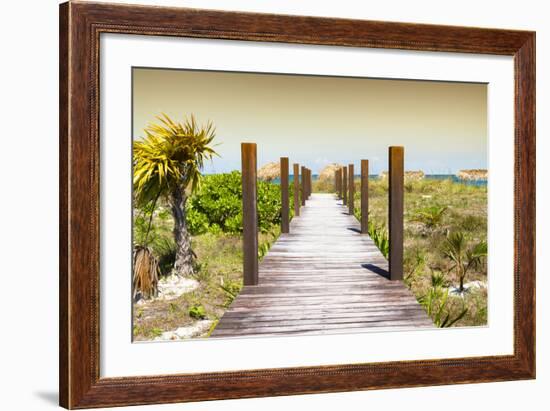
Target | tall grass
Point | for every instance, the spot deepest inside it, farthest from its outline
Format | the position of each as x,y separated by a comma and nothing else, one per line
432,210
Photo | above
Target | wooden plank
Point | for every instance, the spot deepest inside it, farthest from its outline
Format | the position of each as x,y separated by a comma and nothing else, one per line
351,189
312,314
396,180
284,196
296,176
250,213
364,196
323,277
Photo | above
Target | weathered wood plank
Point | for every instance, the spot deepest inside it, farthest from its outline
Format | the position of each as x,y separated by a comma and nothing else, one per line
322,277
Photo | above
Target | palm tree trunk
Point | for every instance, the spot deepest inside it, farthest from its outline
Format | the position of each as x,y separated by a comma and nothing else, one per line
184,255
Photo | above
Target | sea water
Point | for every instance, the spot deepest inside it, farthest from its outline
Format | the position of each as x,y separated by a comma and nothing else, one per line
454,178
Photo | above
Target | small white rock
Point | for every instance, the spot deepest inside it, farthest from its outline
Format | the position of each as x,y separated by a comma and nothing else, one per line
182,333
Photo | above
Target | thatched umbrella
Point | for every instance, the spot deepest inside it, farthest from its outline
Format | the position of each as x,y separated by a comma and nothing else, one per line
408,175
327,173
269,171
474,174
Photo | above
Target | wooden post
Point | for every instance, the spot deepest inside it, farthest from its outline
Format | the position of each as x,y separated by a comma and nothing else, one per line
345,185
351,196
309,183
303,186
296,177
364,196
250,214
305,183
396,177
284,196
336,181
340,182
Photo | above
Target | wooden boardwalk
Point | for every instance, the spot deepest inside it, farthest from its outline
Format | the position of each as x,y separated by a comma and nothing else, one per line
323,277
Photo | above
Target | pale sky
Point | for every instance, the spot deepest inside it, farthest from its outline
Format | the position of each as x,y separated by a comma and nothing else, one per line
316,120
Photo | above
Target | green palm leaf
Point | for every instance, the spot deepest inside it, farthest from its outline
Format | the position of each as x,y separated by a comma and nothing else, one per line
171,154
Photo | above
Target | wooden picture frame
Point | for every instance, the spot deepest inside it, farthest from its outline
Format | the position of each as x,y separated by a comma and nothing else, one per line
80,27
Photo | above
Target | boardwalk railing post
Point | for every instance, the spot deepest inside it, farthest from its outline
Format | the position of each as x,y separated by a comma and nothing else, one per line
303,185
296,176
336,181
284,196
345,185
306,195
250,214
364,196
396,177
351,183
340,183
309,183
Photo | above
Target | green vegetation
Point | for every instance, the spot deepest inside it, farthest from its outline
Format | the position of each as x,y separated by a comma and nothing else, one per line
166,166
464,258
445,245
432,216
323,186
220,281
435,303
380,237
217,206
197,311
214,220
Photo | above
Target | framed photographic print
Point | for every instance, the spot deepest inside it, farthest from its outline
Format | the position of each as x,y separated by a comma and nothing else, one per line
258,205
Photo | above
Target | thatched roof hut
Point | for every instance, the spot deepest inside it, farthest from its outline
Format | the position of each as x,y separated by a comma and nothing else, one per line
409,175
474,174
270,171
327,173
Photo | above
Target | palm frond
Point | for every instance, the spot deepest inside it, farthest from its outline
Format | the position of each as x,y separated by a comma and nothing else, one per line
171,154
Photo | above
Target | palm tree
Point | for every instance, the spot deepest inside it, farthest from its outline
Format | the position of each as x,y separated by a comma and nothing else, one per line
168,163
463,257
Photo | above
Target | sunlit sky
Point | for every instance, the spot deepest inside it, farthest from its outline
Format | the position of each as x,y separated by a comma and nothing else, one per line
317,120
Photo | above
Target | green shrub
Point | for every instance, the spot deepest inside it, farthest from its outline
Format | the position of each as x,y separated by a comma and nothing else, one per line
431,216
197,222
197,311
217,206
436,303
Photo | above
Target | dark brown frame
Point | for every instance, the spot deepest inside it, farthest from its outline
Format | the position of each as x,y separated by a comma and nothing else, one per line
80,27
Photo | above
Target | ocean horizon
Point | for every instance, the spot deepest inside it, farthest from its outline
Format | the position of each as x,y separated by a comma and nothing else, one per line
453,177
